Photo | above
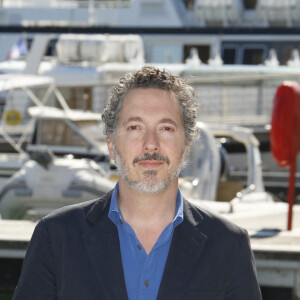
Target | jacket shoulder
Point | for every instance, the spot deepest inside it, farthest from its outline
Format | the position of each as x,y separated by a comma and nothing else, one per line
212,222
80,211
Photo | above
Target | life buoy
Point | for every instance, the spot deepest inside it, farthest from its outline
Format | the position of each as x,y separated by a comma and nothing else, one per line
286,123
13,117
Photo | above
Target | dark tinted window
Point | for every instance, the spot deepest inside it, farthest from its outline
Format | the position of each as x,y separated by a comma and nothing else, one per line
253,56
203,52
250,4
189,4
229,55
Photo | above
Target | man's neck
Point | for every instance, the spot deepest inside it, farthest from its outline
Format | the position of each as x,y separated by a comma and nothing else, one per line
147,214
136,205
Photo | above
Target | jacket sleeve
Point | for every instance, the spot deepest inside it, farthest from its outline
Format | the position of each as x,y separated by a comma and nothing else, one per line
37,280
243,282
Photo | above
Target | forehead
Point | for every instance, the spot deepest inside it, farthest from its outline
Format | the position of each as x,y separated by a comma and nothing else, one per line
151,103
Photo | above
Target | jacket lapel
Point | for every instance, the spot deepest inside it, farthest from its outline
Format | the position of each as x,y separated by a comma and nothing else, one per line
187,244
103,247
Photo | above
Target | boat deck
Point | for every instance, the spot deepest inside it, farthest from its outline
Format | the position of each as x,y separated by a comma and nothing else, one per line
276,250
14,238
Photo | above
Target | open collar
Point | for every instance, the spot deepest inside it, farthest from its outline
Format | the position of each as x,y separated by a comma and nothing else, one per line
103,247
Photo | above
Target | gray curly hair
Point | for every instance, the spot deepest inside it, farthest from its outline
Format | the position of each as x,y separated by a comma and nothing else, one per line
152,77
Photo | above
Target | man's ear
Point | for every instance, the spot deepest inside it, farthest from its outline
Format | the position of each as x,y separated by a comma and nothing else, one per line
110,146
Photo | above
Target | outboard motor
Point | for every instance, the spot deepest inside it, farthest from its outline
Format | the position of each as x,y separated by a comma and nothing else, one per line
43,157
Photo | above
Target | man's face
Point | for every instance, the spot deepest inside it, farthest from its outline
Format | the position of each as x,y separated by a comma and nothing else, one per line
149,146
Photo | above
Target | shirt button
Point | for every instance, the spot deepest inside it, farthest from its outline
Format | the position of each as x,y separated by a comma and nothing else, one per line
121,221
146,283
139,247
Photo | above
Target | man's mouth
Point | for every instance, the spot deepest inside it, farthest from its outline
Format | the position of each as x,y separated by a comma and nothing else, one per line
150,163
151,159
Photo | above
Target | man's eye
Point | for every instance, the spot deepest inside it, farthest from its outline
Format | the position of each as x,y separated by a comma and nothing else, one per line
133,127
170,129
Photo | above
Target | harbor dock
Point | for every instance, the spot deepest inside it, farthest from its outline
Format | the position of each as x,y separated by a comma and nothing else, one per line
276,250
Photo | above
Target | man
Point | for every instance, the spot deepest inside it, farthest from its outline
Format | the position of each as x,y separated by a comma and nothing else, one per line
142,240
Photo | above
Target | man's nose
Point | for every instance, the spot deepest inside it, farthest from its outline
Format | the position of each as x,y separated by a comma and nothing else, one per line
151,141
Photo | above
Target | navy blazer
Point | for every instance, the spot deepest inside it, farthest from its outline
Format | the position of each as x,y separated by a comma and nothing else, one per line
74,254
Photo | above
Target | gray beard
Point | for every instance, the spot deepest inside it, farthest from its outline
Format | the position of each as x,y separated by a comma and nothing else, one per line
146,186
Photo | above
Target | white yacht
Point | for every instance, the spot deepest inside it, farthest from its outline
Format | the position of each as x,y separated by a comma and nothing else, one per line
240,31
86,67
235,52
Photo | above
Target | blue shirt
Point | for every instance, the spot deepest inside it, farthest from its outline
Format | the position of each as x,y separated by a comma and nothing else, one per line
143,272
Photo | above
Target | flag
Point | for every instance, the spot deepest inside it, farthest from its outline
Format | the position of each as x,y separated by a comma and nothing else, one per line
19,49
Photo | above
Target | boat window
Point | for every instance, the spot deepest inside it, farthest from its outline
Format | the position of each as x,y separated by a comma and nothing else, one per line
3,96
288,53
50,51
229,55
203,52
189,4
250,4
29,42
166,54
59,133
78,97
230,144
253,56
83,124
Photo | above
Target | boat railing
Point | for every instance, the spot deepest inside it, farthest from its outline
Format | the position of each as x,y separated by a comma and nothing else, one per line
263,12
8,132
233,98
240,99
218,11
227,99
104,3
64,3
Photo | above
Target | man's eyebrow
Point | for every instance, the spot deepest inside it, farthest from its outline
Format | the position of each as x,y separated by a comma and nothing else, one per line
169,121
162,121
133,119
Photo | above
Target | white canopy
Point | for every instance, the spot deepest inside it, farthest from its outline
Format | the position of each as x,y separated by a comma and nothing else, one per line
46,112
19,81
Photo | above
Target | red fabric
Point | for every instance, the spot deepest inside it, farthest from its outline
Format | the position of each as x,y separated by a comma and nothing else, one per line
285,123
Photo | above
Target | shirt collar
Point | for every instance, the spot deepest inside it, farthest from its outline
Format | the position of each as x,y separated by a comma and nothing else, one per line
178,218
114,210
115,213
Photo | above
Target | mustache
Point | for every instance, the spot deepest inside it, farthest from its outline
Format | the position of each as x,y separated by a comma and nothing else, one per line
151,156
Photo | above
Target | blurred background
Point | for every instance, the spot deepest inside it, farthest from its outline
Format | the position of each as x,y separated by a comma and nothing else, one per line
58,63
